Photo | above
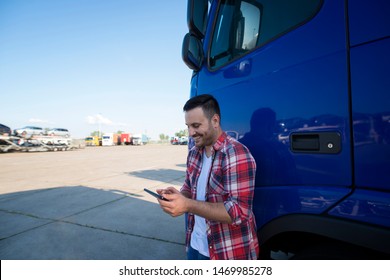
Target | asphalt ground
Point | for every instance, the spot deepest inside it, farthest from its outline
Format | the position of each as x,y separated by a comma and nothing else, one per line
89,204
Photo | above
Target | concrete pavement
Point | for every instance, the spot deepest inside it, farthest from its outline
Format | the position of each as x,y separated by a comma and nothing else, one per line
89,204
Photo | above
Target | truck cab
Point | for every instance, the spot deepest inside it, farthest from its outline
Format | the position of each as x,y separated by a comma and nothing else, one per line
304,85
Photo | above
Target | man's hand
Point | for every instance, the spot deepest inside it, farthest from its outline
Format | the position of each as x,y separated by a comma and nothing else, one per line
177,204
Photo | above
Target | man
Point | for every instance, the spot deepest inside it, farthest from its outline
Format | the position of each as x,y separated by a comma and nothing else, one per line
218,190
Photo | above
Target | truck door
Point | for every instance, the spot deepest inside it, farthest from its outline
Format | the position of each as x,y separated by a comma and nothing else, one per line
280,73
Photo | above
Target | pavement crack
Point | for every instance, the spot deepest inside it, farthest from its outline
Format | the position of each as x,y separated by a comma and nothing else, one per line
49,221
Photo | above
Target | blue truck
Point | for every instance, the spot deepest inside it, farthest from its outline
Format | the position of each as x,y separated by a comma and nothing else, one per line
305,85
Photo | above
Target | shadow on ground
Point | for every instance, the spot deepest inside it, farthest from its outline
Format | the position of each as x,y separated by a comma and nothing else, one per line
164,175
82,223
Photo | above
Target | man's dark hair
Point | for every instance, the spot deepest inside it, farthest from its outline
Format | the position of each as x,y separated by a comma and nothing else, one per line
207,102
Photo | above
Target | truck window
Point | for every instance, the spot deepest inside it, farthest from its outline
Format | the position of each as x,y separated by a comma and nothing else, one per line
241,26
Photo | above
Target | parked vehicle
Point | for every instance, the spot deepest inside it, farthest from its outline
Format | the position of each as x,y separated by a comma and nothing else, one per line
29,131
93,141
58,132
111,139
174,140
140,139
5,130
126,139
304,85
183,140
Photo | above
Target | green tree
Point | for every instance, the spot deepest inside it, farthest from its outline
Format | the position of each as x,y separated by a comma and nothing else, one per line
163,137
182,133
96,133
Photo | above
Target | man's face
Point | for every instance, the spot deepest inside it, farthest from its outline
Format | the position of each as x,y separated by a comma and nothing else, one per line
200,128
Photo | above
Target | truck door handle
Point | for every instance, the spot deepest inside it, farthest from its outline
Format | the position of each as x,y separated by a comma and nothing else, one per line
305,142
321,142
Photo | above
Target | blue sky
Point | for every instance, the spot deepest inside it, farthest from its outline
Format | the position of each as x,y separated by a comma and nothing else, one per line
78,64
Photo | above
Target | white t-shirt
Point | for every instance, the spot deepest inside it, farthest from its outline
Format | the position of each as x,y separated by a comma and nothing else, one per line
199,234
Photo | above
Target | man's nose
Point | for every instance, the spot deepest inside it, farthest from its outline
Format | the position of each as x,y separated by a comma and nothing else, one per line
191,132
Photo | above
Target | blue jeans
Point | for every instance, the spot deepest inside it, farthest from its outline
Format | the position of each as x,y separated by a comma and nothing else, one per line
193,254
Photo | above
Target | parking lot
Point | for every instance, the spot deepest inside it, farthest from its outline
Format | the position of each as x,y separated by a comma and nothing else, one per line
90,204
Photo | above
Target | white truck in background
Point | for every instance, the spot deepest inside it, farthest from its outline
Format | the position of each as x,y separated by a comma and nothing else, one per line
140,139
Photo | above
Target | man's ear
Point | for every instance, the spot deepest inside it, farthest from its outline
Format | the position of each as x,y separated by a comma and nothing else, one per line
215,121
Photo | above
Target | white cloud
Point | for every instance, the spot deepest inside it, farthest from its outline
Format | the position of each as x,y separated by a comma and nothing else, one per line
34,120
96,119
99,119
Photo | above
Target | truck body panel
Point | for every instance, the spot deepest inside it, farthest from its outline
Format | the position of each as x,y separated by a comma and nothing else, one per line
111,139
371,114
125,138
376,24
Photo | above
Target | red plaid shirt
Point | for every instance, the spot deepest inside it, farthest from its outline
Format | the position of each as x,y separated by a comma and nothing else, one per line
231,181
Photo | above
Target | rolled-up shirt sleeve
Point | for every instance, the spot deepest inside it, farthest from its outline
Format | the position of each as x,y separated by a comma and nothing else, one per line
238,175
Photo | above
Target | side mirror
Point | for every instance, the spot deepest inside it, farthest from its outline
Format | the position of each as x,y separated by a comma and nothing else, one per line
197,11
192,52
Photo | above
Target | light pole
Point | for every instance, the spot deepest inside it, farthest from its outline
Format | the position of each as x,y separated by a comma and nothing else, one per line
99,123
